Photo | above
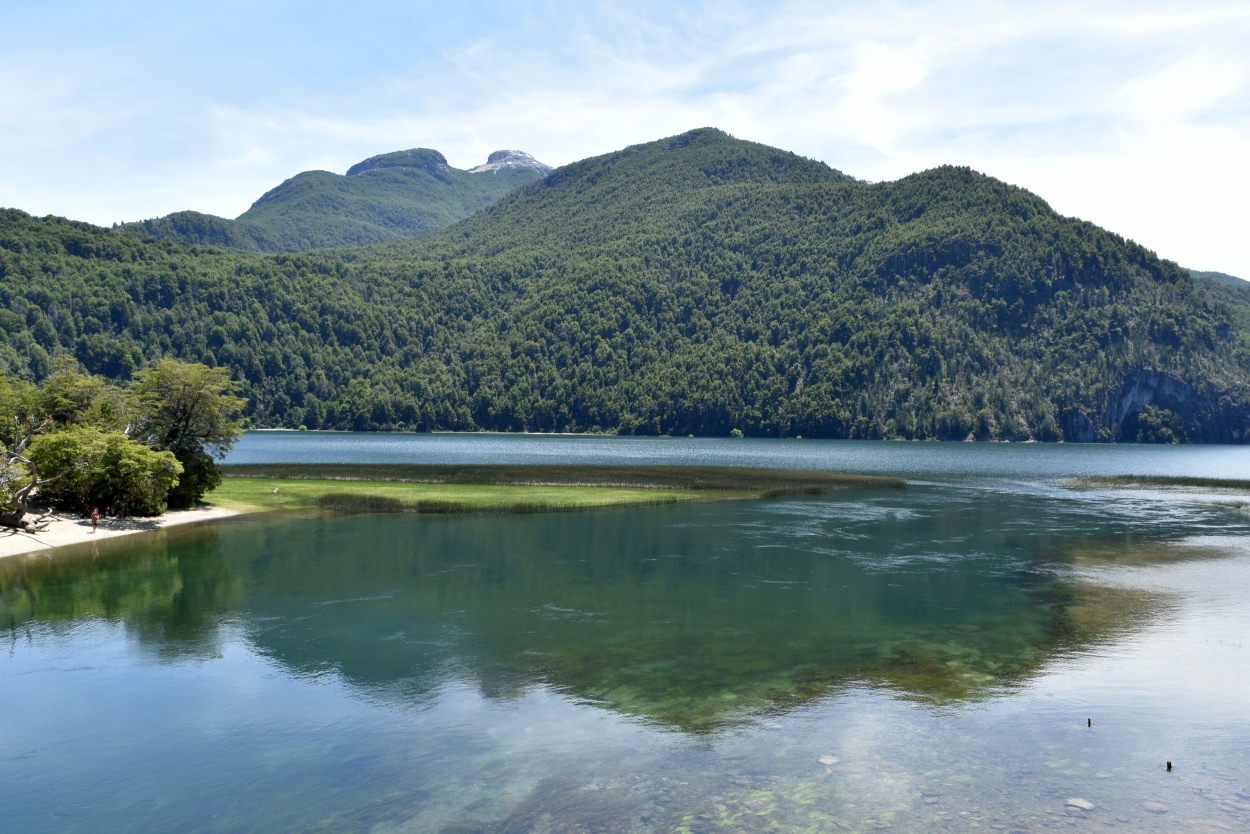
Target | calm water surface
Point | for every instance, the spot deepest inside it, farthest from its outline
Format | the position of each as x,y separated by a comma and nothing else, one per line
922,660
912,460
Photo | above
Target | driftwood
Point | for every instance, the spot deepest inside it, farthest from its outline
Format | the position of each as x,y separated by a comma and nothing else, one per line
15,518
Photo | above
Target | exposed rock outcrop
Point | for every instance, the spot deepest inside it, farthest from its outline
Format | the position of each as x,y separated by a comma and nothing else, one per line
1153,407
501,160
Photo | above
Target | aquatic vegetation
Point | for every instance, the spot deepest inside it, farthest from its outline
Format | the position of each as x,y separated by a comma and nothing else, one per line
1146,481
863,659
351,497
382,488
732,478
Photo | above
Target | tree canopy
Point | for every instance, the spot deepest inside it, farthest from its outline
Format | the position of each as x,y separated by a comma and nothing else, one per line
692,285
83,442
187,409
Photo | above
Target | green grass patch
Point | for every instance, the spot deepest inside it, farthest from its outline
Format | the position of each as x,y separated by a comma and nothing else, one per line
639,477
357,488
253,494
1163,481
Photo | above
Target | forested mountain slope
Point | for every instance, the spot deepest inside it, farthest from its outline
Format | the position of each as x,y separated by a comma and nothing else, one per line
1230,290
387,197
692,285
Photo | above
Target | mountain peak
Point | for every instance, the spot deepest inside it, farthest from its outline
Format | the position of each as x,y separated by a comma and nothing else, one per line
501,160
427,158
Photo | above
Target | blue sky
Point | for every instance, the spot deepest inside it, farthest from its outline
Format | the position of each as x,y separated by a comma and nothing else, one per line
1133,115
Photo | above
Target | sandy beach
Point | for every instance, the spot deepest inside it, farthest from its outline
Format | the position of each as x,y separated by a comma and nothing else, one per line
67,529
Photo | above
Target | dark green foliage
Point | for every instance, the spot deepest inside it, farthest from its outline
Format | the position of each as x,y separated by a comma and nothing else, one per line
693,285
388,197
1154,425
189,410
202,229
70,398
94,444
1240,287
107,470
1231,291
200,476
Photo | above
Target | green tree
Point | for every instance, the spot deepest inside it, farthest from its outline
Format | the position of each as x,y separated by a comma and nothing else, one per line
188,409
70,397
20,419
20,411
94,468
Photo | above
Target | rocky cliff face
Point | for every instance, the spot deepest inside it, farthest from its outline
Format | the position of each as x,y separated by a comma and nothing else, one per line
503,160
1151,407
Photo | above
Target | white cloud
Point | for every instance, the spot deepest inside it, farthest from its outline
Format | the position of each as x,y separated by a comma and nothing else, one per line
1135,116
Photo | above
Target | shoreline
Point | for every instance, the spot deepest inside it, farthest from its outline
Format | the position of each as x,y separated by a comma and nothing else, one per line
67,530
441,489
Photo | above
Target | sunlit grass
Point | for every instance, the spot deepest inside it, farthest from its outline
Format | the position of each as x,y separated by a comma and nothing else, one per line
478,488
258,494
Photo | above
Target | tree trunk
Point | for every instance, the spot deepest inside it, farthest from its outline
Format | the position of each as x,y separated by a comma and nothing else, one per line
16,518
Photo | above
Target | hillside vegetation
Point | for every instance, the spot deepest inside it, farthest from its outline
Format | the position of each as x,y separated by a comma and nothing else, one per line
387,197
1231,291
697,284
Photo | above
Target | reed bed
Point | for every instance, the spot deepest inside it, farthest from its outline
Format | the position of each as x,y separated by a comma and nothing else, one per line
732,478
381,488
352,503
1163,481
343,496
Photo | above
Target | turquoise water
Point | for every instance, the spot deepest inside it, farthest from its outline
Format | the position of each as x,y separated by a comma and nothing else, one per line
923,660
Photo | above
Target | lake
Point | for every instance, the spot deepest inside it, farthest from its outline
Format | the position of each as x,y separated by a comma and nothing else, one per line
992,648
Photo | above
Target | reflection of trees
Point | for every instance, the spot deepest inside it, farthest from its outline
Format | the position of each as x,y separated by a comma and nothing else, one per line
650,613
703,681
168,588
686,626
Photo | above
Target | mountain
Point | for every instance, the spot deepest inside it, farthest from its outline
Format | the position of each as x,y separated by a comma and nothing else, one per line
696,284
1230,290
387,197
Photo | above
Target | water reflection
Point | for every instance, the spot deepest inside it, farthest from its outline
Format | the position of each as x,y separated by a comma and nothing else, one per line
169,589
696,618
920,659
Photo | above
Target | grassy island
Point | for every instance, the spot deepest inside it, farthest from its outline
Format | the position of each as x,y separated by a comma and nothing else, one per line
1163,481
354,488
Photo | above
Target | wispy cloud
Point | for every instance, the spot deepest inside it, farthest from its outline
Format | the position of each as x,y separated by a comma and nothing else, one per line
1133,115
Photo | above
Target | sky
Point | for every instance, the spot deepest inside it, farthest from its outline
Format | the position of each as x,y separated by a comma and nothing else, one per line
1133,115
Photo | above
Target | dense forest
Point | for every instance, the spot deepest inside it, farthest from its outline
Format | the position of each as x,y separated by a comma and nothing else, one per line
387,197
698,284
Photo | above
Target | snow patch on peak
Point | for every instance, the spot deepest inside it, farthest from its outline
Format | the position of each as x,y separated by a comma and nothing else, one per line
503,160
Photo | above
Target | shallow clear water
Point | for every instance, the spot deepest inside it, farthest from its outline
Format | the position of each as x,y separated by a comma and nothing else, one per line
924,660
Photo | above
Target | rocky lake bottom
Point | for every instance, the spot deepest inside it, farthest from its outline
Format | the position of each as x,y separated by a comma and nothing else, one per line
980,651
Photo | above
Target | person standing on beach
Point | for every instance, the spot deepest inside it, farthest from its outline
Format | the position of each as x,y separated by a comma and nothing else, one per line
95,518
